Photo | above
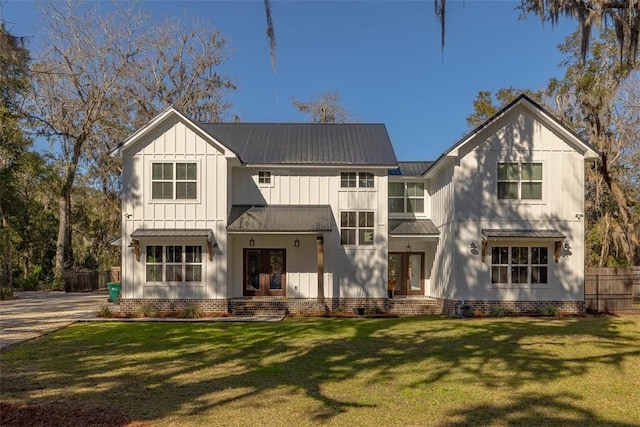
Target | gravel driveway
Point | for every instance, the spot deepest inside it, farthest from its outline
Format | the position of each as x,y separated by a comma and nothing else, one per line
32,314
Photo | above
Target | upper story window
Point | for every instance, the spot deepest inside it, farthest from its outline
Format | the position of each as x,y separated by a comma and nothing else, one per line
520,181
171,181
356,179
356,225
406,197
264,177
519,264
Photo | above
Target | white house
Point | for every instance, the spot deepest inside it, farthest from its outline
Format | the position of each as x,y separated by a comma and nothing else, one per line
308,217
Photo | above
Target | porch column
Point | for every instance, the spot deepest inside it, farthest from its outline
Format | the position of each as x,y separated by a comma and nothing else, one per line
320,256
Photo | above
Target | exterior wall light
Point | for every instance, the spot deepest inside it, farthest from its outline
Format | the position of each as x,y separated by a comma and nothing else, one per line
474,248
252,242
296,243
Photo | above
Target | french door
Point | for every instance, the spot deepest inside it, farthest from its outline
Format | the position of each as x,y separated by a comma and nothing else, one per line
264,272
406,272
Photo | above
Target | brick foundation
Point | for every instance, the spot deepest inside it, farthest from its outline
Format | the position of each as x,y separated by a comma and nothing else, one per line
399,306
485,307
130,306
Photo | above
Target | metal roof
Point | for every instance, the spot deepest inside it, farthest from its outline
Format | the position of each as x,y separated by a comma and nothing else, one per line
522,234
306,143
410,168
414,227
280,218
171,232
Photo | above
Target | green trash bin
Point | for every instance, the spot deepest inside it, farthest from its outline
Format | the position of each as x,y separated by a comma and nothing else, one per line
114,291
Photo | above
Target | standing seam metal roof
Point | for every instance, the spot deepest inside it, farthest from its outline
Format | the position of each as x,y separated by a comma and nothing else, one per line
410,168
418,227
306,143
279,218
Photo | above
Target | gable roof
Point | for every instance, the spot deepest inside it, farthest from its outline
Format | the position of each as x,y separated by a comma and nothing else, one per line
588,150
166,115
306,143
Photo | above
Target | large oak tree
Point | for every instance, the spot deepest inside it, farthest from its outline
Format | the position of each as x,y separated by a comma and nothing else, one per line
101,74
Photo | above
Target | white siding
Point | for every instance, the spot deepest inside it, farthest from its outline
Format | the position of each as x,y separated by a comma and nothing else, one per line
174,141
442,214
349,271
518,137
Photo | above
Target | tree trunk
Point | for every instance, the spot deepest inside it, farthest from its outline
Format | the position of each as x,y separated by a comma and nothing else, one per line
64,251
6,280
630,241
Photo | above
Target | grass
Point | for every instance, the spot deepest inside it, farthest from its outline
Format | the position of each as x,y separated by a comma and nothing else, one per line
405,371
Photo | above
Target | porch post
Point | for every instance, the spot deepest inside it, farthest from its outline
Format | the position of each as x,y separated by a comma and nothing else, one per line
320,255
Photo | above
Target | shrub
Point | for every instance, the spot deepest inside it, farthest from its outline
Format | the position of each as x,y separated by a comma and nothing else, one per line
497,312
191,312
550,310
145,311
29,283
105,311
6,293
57,285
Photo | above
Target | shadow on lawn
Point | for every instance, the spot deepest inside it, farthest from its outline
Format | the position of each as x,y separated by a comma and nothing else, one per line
209,366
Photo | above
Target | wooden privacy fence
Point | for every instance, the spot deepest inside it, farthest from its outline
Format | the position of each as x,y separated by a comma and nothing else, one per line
87,281
611,290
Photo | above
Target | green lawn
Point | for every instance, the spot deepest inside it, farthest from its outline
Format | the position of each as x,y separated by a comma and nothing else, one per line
406,371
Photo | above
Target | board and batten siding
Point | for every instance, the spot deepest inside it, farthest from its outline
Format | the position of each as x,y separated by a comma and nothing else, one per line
519,137
441,192
174,141
349,271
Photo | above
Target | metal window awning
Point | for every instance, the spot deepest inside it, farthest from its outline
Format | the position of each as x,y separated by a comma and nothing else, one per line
279,219
413,228
523,234
173,233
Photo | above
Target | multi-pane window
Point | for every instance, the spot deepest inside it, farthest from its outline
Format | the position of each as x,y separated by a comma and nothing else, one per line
519,264
154,263
174,263
348,179
365,179
358,225
264,177
356,179
520,181
174,181
365,228
406,197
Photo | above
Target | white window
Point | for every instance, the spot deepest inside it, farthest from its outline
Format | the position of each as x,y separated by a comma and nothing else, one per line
356,225
348,179
174,181
406,197
264,177
519,264
520,181
357,179
365,180
174,263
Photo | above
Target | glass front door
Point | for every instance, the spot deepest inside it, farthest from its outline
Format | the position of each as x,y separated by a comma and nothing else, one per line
264,272
406,273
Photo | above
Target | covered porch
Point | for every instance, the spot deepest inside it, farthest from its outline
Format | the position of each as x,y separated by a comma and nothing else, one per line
412,248
278,251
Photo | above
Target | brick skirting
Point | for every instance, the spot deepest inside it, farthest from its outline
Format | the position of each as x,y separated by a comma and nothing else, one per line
400,306
130,306
485,307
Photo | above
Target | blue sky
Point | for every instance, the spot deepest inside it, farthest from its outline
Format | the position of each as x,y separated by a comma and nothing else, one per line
383,57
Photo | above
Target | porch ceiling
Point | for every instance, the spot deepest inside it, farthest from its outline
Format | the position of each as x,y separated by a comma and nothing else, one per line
279,219
413,227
